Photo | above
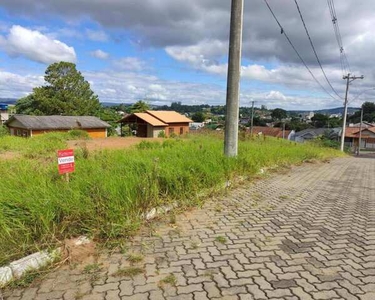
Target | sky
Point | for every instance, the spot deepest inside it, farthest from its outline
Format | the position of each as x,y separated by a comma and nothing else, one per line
165,51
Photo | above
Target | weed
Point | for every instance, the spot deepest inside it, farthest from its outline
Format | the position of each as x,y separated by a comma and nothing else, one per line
92,271
283,197
110,190
210,274
218,208
172,219
128,272
135,258
194,245
170,279
221,239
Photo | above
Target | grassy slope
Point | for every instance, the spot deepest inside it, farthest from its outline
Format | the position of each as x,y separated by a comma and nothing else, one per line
111,189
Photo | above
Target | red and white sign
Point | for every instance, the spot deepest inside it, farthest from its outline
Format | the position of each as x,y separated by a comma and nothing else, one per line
66,161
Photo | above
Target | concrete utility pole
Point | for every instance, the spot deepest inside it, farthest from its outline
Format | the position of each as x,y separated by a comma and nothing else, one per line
360,133
233,82
252,118
349,79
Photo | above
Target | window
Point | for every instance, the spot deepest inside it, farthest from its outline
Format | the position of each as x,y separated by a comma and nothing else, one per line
171,130
181,130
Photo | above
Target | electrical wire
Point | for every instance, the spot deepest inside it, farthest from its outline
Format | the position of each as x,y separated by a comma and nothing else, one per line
296,51
313,47
345,66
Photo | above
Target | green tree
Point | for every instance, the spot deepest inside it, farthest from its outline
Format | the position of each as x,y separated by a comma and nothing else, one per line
66,93
198,117
140,106
320,120
278,114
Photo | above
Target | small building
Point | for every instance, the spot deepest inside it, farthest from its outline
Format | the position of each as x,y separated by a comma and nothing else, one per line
367,138
28,126
153,123
310,134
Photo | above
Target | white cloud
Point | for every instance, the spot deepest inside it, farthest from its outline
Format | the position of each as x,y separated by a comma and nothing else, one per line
15,86
97,35
127,87
99,54
35,46
130,64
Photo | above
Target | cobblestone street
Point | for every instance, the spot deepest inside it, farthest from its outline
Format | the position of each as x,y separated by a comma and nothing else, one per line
308,233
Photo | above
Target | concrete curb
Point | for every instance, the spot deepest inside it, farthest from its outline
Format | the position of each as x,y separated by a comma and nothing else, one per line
158,211
32,262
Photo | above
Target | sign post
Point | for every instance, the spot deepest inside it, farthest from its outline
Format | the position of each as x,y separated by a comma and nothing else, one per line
65,160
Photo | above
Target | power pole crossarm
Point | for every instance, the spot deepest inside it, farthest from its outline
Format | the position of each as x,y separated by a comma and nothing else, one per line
233,84
348,79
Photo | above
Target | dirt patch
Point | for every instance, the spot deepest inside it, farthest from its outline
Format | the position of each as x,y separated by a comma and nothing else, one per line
110,143
78,253
9,155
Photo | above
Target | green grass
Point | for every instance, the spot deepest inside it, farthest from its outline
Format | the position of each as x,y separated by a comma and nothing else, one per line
170,279
134,258
221,239
128,272
111,189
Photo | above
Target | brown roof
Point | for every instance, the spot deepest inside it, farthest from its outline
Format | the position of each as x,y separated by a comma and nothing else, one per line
354,131
150,119
271,131
169,116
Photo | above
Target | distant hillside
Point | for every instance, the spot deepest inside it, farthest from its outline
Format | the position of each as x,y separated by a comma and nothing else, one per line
328,111
8,100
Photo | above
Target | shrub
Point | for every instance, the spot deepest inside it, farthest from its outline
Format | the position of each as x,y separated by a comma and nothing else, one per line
77,134
4,130
162,134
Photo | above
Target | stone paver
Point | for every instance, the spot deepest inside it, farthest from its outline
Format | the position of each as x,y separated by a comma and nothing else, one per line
308,233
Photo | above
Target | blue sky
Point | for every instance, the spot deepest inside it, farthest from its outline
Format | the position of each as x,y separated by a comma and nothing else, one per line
169,51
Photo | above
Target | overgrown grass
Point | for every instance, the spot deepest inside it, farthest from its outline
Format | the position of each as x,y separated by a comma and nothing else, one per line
111,189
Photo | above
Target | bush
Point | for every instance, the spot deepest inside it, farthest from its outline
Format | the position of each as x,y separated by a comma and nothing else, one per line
4,130
76,134
162,134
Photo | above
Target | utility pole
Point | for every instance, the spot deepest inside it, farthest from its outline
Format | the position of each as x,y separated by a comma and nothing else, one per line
233,82
360,133
284,130
349,79
252,118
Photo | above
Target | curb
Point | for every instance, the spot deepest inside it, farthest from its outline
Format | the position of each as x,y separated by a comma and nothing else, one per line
32,262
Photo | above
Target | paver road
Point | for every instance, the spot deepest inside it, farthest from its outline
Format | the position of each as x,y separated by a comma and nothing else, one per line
306,234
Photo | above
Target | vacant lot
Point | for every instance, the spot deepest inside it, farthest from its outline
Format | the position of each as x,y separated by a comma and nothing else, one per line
111,189
110,143
306,234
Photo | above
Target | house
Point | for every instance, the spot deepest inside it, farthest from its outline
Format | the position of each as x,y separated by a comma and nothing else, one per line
154,123
309,134
28,126
272,131
367,137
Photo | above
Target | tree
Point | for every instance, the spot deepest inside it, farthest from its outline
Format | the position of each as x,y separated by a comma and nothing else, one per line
278,114
320,120
66,93
198,117
140,106
368,113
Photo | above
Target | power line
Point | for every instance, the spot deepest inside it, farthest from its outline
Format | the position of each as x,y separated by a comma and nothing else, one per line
345,66
295,50
313,47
